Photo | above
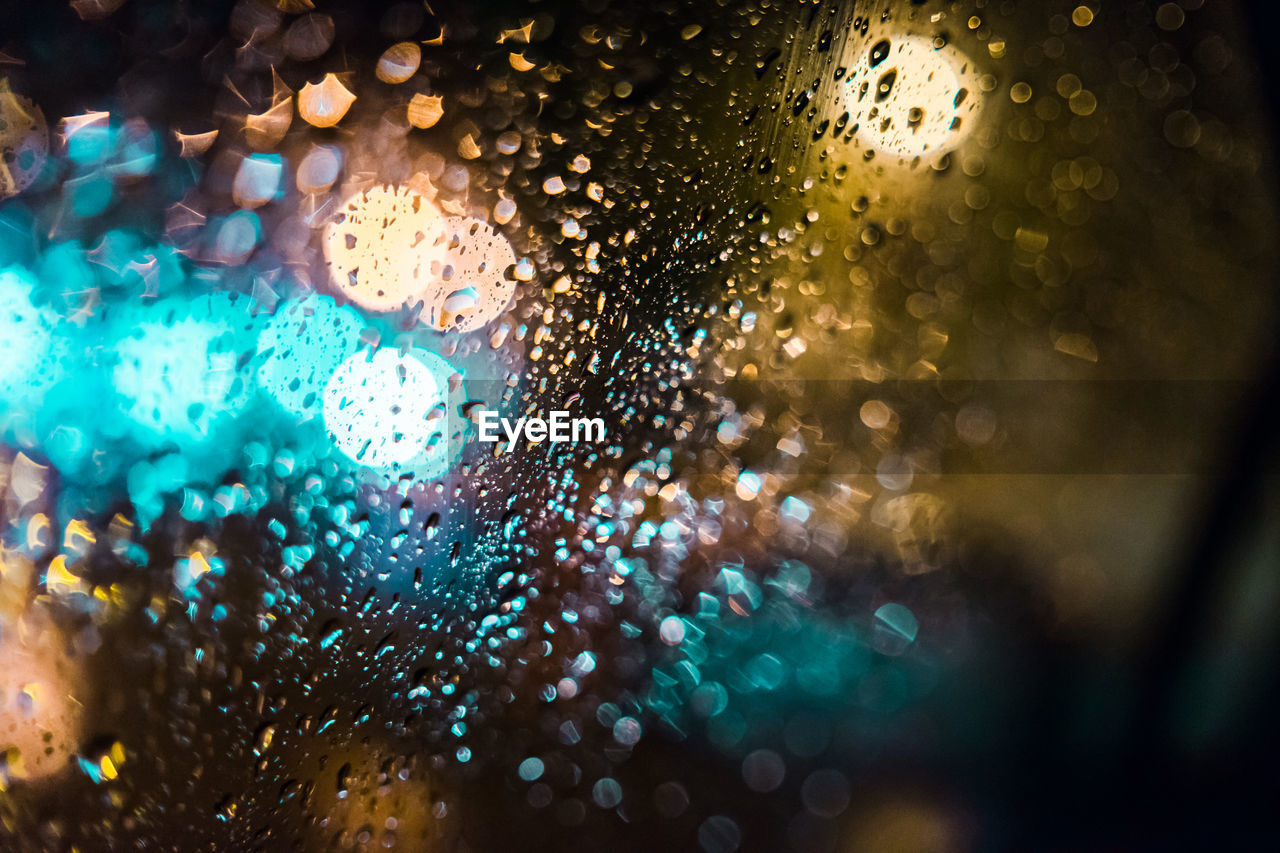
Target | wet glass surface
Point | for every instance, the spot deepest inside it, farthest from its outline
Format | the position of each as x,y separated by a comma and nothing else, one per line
916,368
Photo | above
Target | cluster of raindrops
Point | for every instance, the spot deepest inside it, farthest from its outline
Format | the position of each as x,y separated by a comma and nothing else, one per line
391,247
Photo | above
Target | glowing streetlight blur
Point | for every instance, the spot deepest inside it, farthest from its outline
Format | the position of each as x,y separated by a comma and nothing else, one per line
474,286
909,98
39,715
383,410
385,248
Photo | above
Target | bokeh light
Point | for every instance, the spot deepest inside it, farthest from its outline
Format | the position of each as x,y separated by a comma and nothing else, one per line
40,712
324,104
385,248
477,282
384,409
180,367
32,350
910,97
300,348
24,141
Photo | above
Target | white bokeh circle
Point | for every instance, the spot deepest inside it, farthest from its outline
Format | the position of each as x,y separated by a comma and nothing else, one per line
382,411
910,98
444,445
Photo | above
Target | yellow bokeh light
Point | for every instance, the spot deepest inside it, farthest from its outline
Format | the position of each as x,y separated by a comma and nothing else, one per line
425,110
39,716
24,141
474,285
59,580
324,104
908,98
399,62
385,248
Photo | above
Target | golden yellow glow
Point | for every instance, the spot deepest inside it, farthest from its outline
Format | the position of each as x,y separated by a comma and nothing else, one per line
399,62
475,284
24,141
195,144
59,580
908,98
37,529
324,104
522,35
386,248
364,788
39,716
199,566
425,110
78,534
263,131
